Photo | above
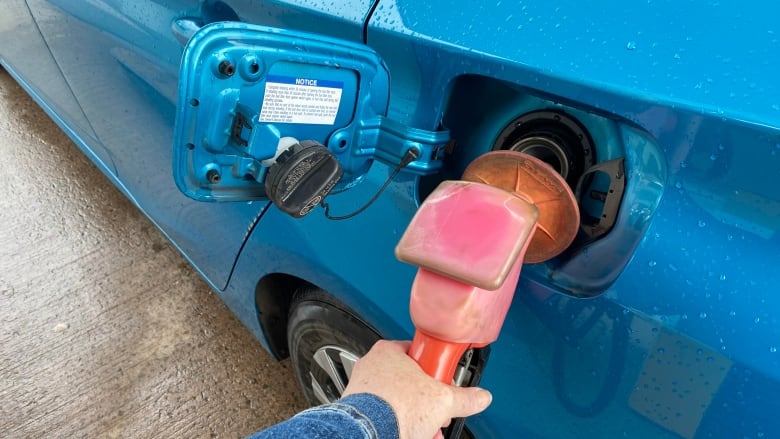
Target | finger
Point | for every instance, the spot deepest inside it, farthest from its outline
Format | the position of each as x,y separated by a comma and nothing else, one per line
438,435
469,401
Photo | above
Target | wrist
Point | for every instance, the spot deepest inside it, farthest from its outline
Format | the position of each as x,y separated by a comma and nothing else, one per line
377,411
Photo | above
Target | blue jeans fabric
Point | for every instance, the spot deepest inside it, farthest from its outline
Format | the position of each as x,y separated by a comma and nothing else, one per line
361,416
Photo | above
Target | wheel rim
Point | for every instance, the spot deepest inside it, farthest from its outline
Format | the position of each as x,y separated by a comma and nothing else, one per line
330,372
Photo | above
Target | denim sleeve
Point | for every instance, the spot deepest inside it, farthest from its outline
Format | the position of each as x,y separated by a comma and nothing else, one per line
355,417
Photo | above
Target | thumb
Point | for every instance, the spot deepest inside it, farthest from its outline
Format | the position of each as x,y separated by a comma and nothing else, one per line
469,401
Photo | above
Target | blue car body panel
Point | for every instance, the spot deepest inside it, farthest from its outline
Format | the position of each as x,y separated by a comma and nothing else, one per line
697,300
245,88
121,59
664,327
29,59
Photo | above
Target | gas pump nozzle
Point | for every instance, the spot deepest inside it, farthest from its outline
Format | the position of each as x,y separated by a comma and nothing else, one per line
470,239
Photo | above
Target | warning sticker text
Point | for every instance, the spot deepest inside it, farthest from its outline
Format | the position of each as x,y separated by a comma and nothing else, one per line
300,100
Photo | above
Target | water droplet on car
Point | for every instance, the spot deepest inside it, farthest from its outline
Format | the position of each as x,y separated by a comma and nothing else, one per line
678,184
631,45
661,351
722,277
699,351
757,319
702,315
713,157
732,313
773,349
652,263
676,56
702,223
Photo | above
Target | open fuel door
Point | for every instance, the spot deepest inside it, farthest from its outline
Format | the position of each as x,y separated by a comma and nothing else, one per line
288,116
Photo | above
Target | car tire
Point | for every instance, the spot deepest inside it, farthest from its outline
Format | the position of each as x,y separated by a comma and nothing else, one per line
325,338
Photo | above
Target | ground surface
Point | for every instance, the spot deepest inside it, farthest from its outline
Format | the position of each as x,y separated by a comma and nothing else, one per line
105,331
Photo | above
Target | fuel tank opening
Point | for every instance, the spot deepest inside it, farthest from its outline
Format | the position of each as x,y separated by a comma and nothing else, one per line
553,137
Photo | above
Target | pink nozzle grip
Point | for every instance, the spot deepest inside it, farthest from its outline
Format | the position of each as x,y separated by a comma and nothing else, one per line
468,240
470,232
456,312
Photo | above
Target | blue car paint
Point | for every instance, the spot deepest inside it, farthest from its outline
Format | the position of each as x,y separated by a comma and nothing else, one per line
716,59
316,248
121,87
230,124
121,60
703,276
31,63
695,303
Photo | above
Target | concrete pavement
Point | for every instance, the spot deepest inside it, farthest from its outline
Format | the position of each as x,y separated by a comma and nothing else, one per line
105,330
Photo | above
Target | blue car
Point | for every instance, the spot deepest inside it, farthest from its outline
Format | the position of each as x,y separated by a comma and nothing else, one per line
284,146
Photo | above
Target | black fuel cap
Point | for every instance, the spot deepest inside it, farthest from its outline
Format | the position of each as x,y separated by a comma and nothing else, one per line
302,177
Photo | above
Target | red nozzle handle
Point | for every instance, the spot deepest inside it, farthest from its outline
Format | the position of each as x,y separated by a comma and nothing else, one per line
437,358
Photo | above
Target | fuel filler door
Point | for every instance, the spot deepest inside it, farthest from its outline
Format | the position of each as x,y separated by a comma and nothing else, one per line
286,116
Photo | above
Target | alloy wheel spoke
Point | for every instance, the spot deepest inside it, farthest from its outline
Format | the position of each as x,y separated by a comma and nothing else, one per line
318,392
329,366
348,360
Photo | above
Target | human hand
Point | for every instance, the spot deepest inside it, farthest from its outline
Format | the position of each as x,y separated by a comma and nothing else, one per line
421,404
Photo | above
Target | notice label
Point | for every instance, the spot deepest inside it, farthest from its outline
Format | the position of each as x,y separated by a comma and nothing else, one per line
300,100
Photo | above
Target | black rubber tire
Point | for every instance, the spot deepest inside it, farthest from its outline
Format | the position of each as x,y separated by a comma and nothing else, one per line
317,320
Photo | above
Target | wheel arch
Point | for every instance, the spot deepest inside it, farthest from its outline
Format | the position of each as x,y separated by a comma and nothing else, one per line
274,294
